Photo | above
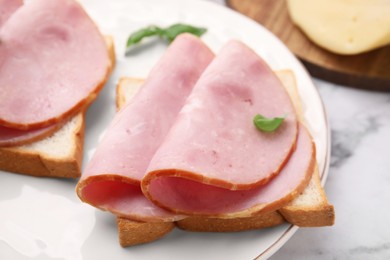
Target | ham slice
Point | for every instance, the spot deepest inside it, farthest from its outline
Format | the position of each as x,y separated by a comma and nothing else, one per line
214,141
190,197
7,8
12,137
53,62
112,178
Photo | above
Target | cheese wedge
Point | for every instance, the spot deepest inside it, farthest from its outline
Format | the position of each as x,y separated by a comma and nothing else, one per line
343,26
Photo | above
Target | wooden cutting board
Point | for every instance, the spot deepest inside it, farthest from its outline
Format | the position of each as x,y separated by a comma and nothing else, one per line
370,70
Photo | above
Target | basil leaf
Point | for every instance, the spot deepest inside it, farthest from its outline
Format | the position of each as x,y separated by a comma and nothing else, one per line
174,30
268,124
169,33
137,36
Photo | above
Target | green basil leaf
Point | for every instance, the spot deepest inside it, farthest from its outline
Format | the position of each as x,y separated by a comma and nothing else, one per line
137,36
268,124
174,30
169,33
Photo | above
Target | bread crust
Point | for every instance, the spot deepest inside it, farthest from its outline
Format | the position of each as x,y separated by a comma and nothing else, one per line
201,224
319,215
133,233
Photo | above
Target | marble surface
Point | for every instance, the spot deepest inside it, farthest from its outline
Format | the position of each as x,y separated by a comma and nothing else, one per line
358,183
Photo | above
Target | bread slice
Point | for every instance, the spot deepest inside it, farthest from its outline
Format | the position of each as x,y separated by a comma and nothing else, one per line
133,233
201,224
310,209
58,155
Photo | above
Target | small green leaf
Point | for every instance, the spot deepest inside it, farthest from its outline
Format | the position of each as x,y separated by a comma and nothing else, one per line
268,124
137,36
174,30
169,33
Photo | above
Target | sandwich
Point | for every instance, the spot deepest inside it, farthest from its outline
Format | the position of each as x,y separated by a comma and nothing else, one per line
309,209
148,169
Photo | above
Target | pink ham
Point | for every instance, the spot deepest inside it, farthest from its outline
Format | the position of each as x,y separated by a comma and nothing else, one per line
53,62
12,137
7,8
124,199
189,197
112,178
214,141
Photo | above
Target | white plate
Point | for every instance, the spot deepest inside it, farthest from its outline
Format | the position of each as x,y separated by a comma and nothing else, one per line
41,218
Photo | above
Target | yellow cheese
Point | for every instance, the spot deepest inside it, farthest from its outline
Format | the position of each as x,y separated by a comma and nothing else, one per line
343,26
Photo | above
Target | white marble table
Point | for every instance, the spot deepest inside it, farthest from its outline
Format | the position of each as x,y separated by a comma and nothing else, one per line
358,183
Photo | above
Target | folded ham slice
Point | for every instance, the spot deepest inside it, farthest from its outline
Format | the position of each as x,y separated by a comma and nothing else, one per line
53,62
214,140
7,8
12,137
112,178
185,196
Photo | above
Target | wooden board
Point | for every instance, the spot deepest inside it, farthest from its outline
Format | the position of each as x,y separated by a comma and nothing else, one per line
370,70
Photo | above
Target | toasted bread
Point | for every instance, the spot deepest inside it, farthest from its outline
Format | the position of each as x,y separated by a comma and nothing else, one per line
134,233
